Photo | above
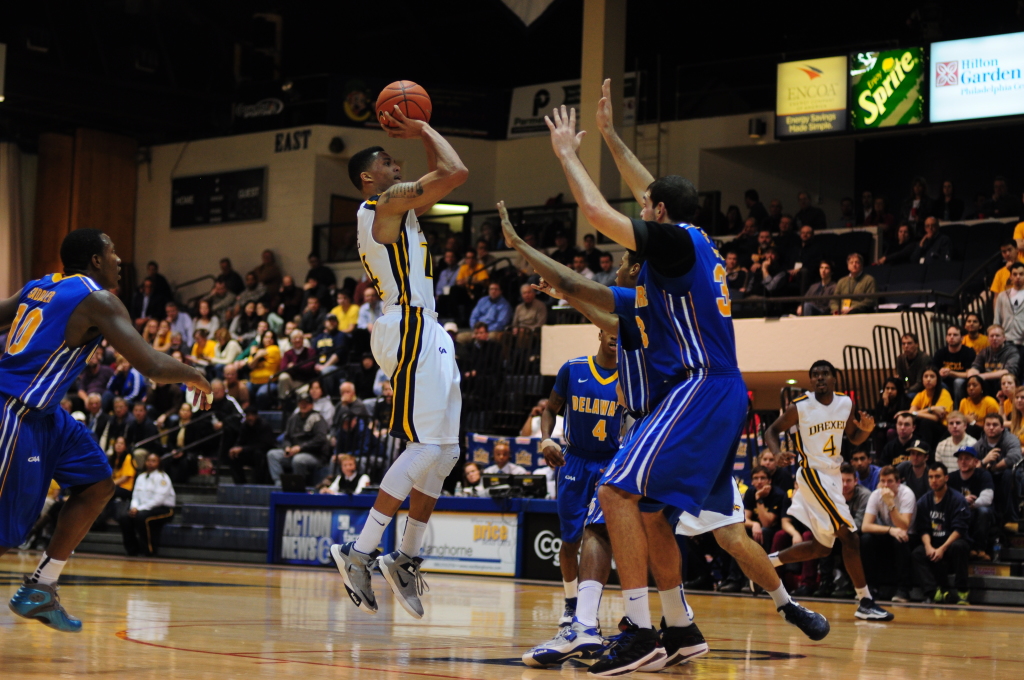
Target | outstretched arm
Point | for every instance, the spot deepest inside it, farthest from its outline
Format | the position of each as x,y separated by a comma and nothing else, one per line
558,275
104,311
632,170
606,219
606,321
429,189
775,430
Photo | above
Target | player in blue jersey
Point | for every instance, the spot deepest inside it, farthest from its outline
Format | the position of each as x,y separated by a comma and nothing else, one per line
54,324
585,386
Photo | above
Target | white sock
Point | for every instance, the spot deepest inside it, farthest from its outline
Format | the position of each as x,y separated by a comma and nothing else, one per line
774,558
588,602
637,608
372,531
863,593
780,596
673,606
412,539
570,588
48,570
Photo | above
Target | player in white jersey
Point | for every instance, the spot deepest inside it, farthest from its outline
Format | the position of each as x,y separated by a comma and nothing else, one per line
413,350
821,418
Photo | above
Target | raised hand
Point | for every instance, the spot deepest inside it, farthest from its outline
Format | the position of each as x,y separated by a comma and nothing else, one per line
543,287
605,120
507,230
401,126
564,138
866,422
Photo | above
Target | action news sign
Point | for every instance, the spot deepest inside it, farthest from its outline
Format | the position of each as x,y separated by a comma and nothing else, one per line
468,542
977,78
810,97
305,535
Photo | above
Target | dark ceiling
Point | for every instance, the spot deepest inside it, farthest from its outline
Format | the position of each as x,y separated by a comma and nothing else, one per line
164,70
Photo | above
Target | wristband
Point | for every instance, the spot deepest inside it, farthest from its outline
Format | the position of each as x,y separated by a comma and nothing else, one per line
549,442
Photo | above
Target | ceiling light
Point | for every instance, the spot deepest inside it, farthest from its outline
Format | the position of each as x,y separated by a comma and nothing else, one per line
448,209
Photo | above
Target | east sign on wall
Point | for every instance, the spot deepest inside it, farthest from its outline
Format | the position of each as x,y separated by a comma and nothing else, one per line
977,78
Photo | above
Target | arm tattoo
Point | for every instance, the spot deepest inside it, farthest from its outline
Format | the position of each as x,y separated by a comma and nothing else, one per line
403,190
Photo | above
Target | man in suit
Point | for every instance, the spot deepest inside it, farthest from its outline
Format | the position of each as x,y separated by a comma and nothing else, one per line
148,304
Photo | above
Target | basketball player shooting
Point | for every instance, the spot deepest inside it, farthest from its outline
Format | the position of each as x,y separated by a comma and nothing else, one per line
413,349
56,323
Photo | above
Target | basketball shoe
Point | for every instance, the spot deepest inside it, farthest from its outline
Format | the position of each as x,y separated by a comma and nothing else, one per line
572,641
40,602
813,625
569,613
682,643
355,568
634,649
869,611
403,575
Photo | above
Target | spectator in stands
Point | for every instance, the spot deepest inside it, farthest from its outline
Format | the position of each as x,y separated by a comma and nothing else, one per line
370,310
123,464
763,508
736,277
885,540
999,451
472,480
866,209
483,253
531,313
755,208
255,439
266,313
914,471
312,317
320,273
221,300
1011,257
203,351
976,486
910,364
152,505
856,283
306,444
147,304
232,279
900,251
953,362
918,206
140,434
117,426
956,424
1018,231
996,360
94,379
331,347
973,337
895,450
243,326
150,330
933,247
976,405
298,365
363,377
227,416
746,243
188,444
291,298
822,288
949,208
253,291
502,461
931,405
472,273
734,220
162,341
942,522
867,474
268,273
481,358
579,265
96,419
855,494
494,311
1009,307
263,364
809,214
179,320
347,480
225,350
531,428
767,277
447,274
205,319
774,215
1007,395
236,389
786,240
764,242
806,255
247,350
606,272
160,285
126,381
346,313
591,254
1002,203
881,218
322,403
846,218
563,252
779,478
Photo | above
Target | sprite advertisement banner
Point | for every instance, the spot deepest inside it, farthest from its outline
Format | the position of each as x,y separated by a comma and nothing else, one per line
886,88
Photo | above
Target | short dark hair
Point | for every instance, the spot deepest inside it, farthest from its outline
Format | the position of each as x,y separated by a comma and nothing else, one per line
679,196
889,471
79,247
856,255
994,415
479,324
586,236
859,451
905,414
939,466
604,255
760,469
635,258
847,469
821,363
751,194
360,162
1016,265
912,336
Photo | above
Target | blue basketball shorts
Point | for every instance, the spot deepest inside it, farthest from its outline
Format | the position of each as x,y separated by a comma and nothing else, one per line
36,447
682,453
577,486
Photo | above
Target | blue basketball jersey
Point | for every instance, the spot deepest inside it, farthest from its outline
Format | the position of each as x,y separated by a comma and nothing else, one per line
593,417
37,365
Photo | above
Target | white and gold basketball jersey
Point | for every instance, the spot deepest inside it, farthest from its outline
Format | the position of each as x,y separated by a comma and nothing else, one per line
819,431
403,271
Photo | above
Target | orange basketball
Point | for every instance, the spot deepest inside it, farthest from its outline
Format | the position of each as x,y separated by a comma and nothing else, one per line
412,99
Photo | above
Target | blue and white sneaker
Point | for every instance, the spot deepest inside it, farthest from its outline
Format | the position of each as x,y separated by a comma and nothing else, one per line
574,641
41,602
813,625
406,580
355,568
569,613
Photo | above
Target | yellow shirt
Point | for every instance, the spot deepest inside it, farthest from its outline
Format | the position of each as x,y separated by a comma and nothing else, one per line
922,402
128,470
1007,407
977,345
1018,234
980,410
209,350
267,367
464,276
1000,280
346,320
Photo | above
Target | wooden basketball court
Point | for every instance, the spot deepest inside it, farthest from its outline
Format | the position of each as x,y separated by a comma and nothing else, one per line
158,620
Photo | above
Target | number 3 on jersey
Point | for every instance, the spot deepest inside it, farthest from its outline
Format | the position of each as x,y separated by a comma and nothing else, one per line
724,303
23,328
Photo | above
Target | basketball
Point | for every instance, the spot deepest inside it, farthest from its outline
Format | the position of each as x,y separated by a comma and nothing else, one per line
412,99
